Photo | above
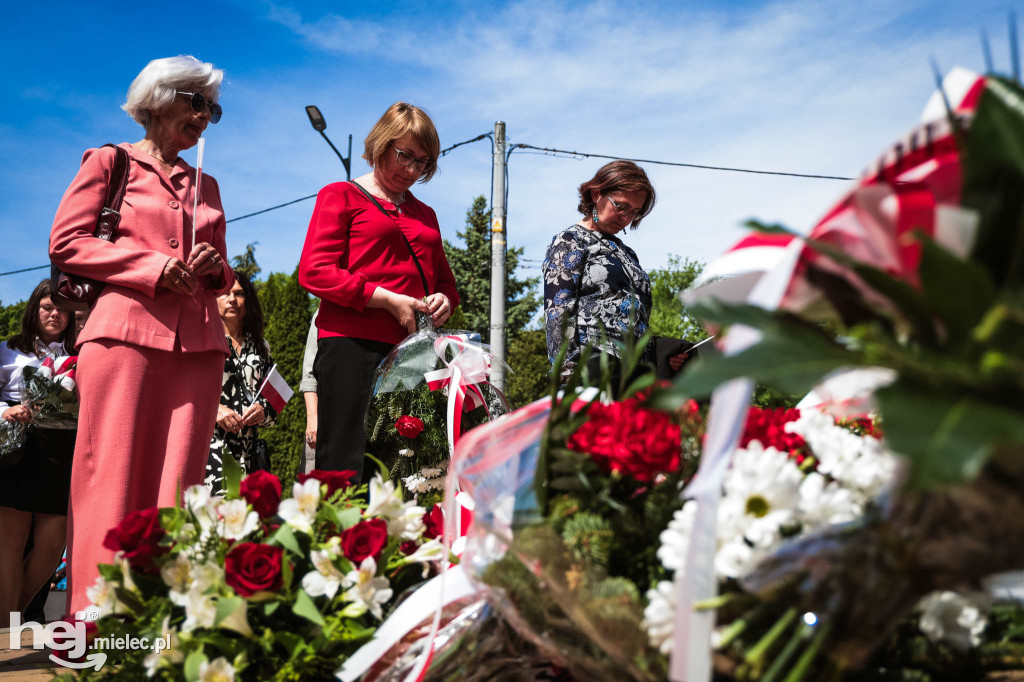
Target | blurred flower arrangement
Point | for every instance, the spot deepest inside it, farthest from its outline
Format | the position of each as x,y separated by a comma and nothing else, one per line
256,585
50,392
407,418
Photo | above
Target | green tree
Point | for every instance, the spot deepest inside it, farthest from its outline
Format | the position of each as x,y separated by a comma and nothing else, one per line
530,376
668,314
472,267
246,263
287,310
10,319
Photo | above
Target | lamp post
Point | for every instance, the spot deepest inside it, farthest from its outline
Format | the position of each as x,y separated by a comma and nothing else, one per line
320,125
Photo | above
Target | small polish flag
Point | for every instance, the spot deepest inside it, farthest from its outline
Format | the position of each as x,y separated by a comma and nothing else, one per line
276,390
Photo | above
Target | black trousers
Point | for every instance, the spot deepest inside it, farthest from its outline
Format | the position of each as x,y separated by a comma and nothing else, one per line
344,369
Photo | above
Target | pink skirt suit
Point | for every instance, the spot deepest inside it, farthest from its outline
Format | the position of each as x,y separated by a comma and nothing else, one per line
150,360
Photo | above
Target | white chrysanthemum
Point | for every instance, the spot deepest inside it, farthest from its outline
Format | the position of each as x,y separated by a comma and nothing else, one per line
955,619
860,463
365,590
824,502
236,521
326,579
406,452
660,616
385,501
437,483
416,484
430,472
675,539
763,485
217,670
299,511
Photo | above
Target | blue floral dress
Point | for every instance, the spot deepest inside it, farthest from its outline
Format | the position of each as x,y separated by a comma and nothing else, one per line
592,279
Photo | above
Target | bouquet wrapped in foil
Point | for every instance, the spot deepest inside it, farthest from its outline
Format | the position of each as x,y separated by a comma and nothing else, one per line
428,391
50,393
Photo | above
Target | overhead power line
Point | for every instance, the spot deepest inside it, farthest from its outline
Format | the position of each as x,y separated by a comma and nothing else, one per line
555,152
542,150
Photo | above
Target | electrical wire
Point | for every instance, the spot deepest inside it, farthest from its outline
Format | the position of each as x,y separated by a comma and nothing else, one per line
581,155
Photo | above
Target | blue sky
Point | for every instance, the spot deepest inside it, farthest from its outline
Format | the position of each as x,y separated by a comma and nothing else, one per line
812,87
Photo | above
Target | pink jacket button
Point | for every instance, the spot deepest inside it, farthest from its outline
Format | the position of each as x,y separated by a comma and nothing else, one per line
173,242
172,204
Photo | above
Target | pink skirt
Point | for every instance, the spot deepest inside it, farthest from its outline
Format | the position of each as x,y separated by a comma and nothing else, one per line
144,432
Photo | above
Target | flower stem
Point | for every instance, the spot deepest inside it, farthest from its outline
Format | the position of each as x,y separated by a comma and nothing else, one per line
800,637
804,663
758,651
716,602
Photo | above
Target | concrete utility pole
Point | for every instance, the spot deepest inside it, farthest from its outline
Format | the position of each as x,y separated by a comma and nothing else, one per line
498,255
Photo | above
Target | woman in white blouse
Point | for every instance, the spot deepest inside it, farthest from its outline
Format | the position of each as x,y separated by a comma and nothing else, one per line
33,492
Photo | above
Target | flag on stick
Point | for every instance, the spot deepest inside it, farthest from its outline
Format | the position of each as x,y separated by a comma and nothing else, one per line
276,390
195,194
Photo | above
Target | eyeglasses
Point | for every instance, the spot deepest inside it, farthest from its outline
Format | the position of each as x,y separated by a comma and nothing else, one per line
199,103
624,209
406,159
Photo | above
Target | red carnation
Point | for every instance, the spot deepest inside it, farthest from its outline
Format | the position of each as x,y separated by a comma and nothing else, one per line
262,490
434,521
408,547
138,536
250,568
409,426
768,426
364,539
334,480
629,439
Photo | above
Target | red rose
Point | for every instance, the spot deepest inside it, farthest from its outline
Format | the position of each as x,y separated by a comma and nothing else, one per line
629,439
408,426
408,547
250,568
434,521
364,539
138,536
334,480
262,490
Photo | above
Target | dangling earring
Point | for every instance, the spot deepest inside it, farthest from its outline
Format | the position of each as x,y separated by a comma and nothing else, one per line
594,215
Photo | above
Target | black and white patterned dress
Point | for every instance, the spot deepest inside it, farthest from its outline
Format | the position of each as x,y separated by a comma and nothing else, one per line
590,279
244,371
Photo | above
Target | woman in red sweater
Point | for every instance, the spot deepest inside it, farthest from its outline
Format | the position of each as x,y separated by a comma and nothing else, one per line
374,257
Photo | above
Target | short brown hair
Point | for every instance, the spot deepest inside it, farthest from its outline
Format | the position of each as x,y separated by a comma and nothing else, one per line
618,176
399,120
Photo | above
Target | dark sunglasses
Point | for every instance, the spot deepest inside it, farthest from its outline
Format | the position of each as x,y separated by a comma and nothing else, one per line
199,103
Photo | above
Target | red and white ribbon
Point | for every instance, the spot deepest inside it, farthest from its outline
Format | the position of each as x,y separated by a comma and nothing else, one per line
463,376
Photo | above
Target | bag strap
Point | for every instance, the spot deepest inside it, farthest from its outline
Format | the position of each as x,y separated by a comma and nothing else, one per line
110,216
423,278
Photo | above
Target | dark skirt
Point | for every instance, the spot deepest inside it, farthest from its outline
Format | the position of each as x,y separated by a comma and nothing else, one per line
41,481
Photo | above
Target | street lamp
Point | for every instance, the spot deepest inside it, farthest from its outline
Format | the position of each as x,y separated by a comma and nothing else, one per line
320,125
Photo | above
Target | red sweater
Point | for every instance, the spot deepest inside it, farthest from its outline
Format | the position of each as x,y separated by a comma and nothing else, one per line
352,248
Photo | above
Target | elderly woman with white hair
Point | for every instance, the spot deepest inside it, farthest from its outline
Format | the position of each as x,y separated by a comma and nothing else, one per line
152,351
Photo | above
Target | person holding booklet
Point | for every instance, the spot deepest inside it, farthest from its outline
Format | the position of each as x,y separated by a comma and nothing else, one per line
242,409
152,352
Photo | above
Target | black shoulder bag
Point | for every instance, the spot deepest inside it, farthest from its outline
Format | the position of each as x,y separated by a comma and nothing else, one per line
72,292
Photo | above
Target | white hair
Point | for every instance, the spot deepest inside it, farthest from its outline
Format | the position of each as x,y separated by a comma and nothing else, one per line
153,89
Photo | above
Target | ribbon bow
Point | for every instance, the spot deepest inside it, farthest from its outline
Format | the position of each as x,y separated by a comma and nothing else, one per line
468,370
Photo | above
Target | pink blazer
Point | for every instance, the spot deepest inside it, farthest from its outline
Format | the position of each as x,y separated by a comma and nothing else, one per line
156,223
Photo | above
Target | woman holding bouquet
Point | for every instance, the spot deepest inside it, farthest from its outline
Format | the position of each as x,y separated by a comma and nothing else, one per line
33,492
374,257
152,352
241,410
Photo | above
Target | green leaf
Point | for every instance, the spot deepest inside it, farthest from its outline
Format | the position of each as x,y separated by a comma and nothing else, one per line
305,607
948,436
192,663
791,356
776,228
286,538
349,517
956,290
233,474
567,483
227,606
270,607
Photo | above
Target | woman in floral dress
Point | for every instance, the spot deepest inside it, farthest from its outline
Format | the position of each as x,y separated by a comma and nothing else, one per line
241,412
